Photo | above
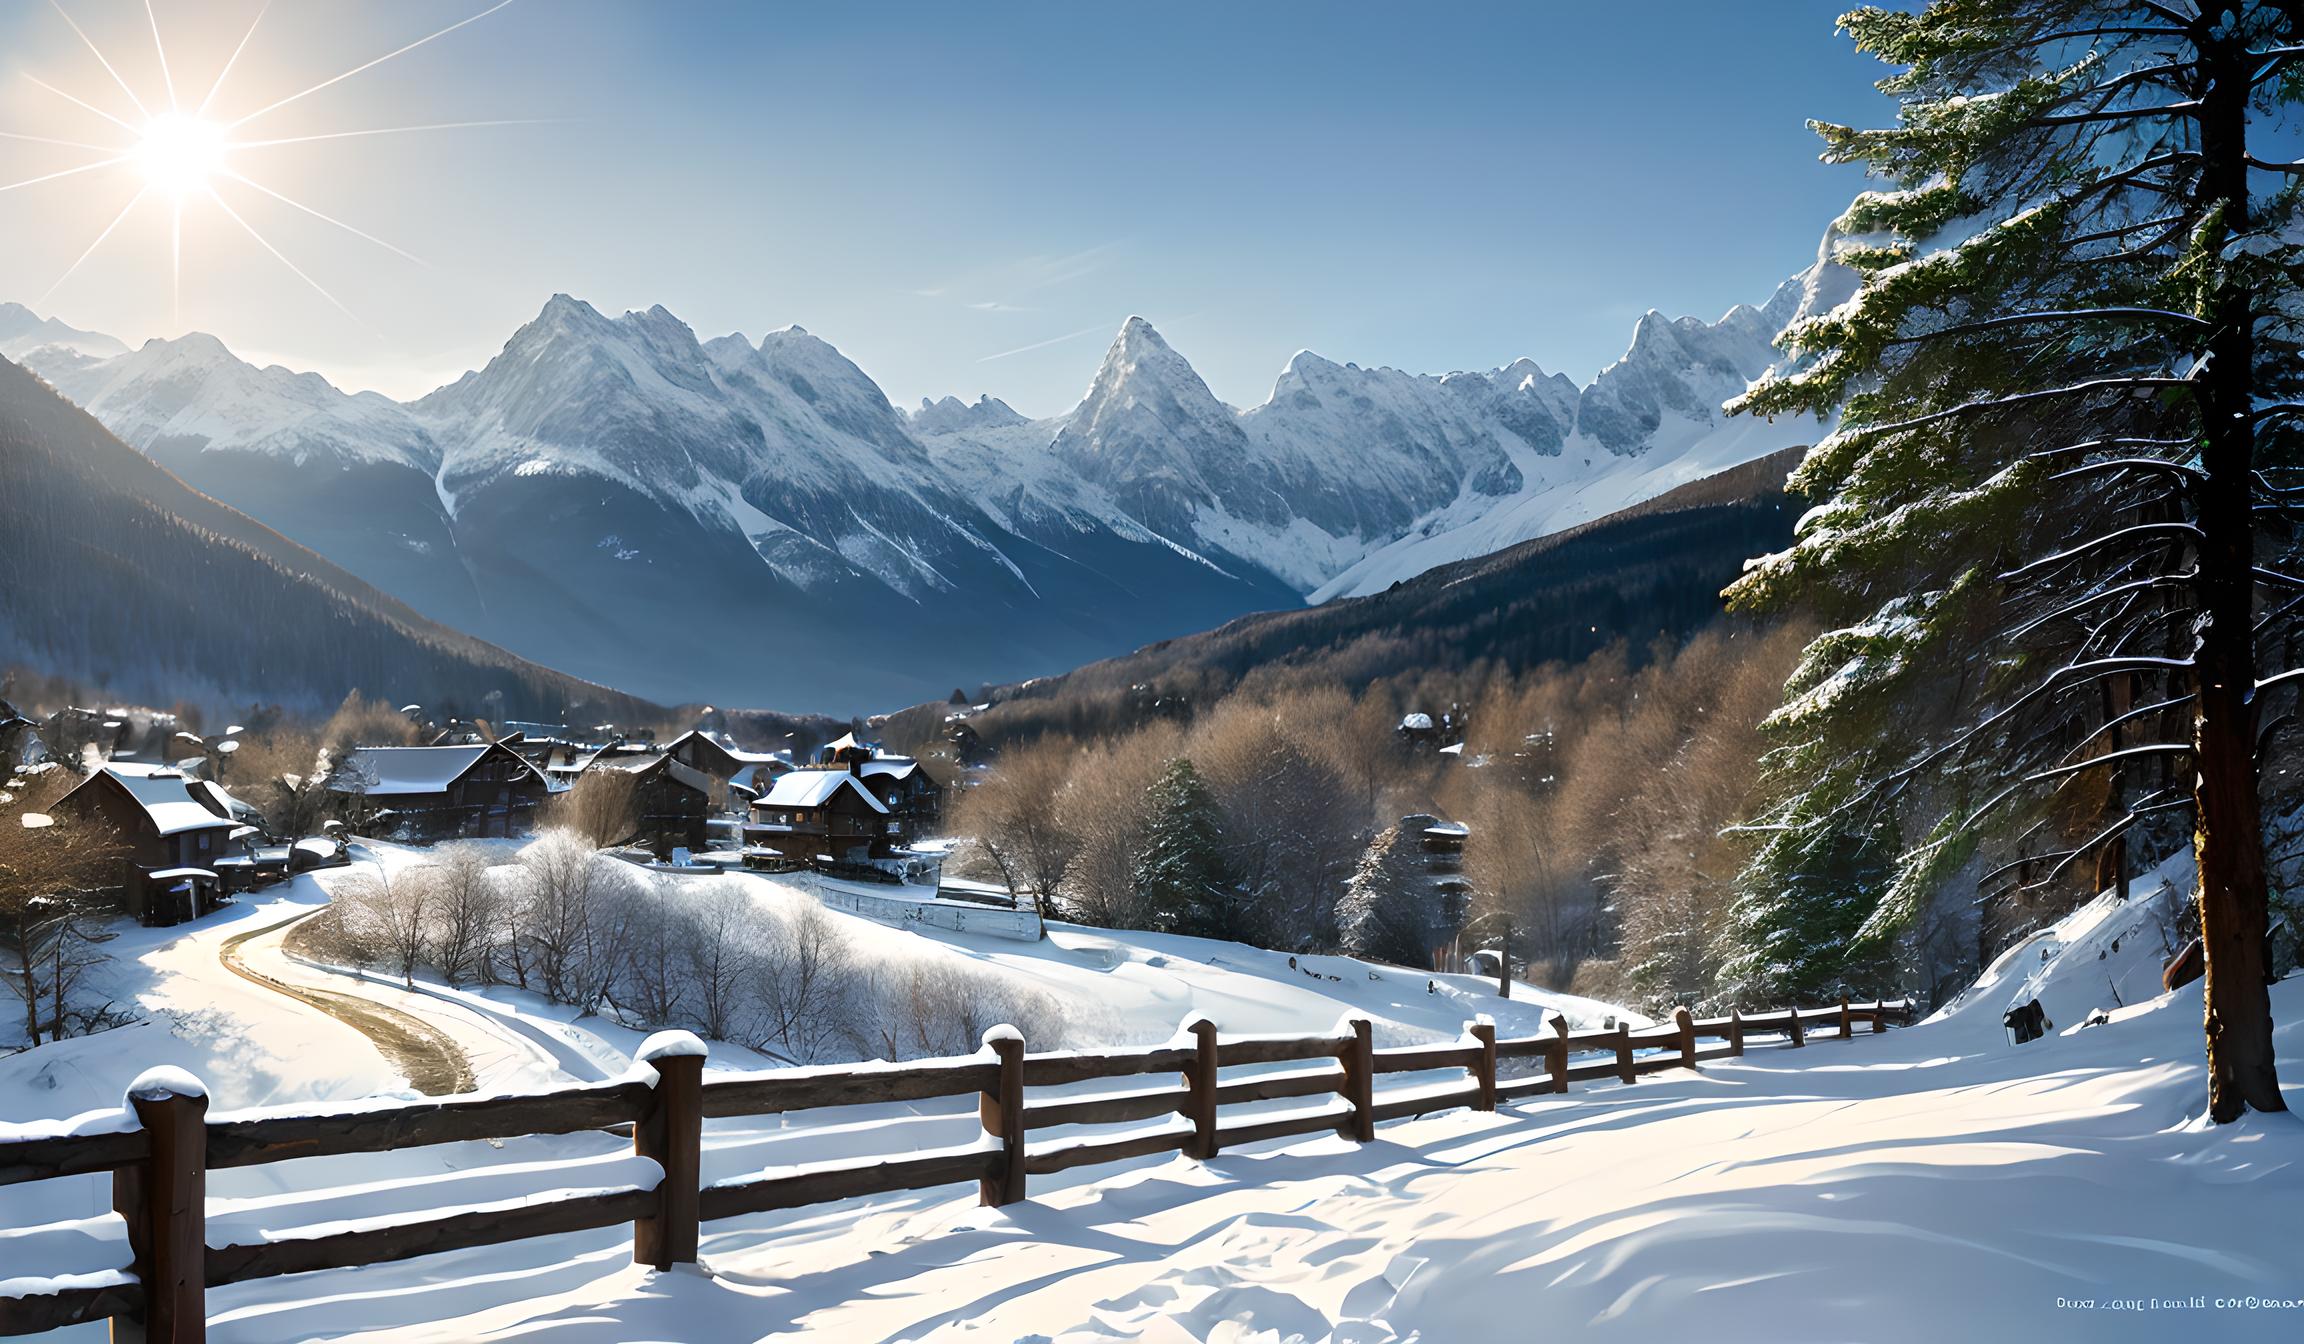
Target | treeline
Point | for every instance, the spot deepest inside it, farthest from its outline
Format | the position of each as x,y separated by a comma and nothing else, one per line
119,574
1599,798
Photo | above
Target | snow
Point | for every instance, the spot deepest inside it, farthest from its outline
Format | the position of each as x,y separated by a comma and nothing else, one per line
670,1045
815,788
163,1081
1921,1185
167,798
397,770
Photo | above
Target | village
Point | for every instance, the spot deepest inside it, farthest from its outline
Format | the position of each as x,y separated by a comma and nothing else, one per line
186,823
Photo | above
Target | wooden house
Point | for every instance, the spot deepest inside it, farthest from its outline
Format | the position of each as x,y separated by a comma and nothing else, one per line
672,800
914,799
174,830
818,814
440,792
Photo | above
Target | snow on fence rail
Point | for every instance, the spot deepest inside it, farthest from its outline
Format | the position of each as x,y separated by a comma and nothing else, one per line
161,1144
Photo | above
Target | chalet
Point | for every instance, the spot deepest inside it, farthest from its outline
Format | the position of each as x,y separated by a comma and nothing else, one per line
913,798
441,792
175,832
671,799
818,814
911,794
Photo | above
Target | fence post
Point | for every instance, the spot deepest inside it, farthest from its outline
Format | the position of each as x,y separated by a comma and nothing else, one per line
671,1135
1686,1022
1847,1020
1735,1031
1879,1016
1002,1112
1624,1071
1359,1085
1483,1030
1200,1086
1556,1054
164,1199
1799,1033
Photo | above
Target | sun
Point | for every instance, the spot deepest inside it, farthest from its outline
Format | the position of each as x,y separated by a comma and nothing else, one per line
186,158
179,155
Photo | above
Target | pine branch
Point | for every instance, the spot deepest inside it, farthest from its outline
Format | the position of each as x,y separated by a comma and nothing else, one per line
2185,530
2077,767
2012,399
2074,314
2187,109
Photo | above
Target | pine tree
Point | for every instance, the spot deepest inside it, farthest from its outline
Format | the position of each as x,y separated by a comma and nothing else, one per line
2067,435
1180,875
1391,908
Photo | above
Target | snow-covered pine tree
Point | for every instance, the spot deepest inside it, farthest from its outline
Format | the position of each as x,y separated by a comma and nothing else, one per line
1391,908
1180,875
2066,448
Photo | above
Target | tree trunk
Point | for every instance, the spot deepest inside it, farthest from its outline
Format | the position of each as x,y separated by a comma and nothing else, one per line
2228,837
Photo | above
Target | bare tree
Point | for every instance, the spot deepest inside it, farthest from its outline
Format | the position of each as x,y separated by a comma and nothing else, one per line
721,954
468,911
1015,816
804,977
389,911
603,808
1106,807
561,876
52,917
655,982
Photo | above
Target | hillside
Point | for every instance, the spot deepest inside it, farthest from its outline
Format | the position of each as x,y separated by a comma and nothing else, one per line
1654,569
120,574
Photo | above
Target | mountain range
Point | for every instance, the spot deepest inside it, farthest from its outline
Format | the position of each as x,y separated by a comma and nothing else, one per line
753,522
122,578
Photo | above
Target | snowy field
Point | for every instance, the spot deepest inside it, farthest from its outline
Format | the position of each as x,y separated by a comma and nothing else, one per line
1929,1184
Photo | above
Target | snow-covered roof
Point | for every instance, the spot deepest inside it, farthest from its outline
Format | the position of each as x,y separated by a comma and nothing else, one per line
815,788
398,770
900,767
169,800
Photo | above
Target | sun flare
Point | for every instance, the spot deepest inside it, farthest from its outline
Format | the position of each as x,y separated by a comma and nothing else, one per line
186,156
180,155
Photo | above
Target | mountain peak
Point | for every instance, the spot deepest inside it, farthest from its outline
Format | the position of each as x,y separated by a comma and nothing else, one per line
945,415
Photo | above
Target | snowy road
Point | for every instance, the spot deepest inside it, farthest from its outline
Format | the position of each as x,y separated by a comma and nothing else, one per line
422,1053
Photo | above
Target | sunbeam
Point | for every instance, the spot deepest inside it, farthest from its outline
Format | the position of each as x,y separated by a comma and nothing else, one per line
183,156
98,53
324,218
162,48
68,144
269,107
234,59
279,256
81,102
68,172
125,211
396,130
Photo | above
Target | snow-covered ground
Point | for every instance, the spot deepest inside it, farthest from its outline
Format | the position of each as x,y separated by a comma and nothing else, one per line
1928,1184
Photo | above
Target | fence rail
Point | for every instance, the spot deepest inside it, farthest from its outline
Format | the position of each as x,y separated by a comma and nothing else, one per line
161,1145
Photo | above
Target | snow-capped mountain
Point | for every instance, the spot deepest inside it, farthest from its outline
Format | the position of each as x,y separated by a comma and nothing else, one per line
607,488
23,331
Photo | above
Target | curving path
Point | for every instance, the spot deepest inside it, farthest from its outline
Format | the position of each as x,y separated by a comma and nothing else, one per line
434,1064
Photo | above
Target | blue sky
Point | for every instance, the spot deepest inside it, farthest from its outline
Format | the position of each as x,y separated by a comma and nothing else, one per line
964,198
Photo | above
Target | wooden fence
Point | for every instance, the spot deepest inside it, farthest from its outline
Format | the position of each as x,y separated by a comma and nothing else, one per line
164,1144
